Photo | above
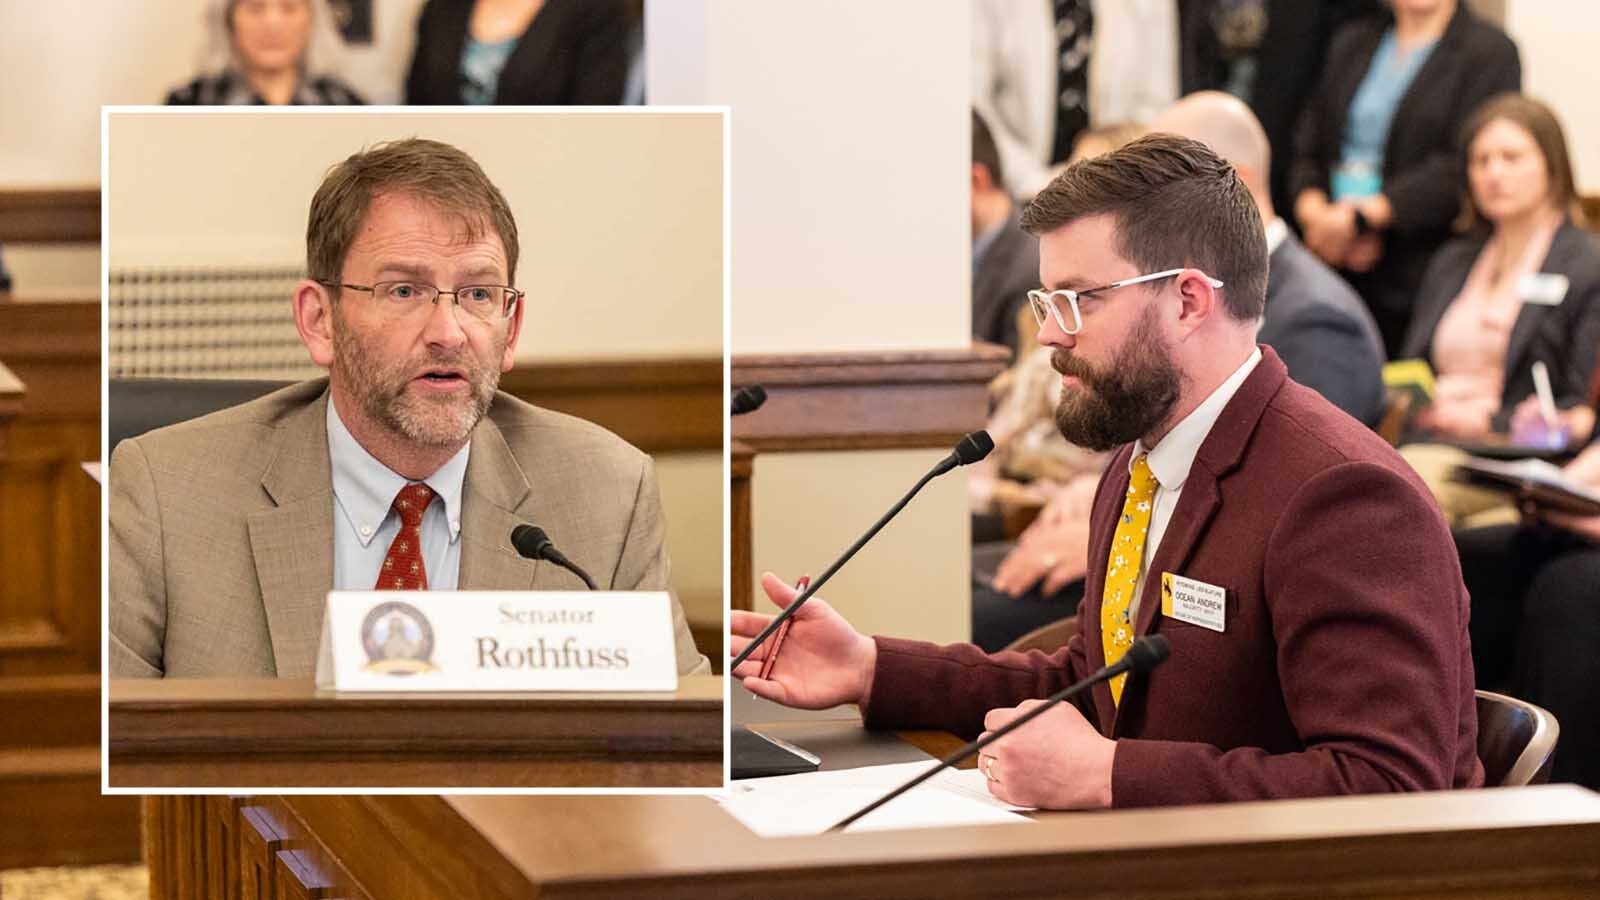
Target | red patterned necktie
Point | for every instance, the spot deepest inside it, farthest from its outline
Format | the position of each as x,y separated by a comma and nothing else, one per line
402,567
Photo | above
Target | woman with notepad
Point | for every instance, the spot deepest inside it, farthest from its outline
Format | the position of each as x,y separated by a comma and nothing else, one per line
1510,311
1521,287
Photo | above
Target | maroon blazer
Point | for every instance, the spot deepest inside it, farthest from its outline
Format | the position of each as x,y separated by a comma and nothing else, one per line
1345,665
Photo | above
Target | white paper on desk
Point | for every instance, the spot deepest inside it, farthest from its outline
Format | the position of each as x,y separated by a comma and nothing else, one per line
810,803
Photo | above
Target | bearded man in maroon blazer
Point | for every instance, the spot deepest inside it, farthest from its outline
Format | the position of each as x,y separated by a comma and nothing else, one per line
1301,571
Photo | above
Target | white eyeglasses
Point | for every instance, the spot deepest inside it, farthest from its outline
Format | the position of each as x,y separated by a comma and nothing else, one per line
1054,301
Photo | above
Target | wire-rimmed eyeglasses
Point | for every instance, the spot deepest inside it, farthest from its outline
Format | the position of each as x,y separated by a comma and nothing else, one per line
400,299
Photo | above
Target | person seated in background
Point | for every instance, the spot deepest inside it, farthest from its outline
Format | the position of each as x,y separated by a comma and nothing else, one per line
1520,289
1535,589
1019,586
275,52
1298,568
1523,286
1005,259
1319,327
520,52
1314,319
1377,170
404,469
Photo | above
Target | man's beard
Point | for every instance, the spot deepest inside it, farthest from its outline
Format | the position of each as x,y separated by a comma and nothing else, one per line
382,391
1126,400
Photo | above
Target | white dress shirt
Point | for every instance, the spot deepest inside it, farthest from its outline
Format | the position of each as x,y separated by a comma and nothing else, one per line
364,523
1170,462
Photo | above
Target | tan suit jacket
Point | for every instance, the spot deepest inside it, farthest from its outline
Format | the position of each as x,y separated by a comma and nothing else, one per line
222,530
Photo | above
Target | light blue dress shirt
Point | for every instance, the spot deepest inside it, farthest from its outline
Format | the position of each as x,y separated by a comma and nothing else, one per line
1366,125
364,524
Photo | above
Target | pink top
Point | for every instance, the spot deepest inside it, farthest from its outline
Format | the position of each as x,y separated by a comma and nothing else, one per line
1469,346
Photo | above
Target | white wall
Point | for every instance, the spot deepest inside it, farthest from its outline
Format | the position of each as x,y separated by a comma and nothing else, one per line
850,137
850,232
1557,40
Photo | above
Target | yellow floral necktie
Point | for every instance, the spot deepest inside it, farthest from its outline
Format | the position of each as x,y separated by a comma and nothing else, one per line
1122,569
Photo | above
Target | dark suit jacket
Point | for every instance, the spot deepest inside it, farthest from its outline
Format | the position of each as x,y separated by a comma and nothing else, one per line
1323,333
1001,281
574,52
1345,665
1565,337
1423,164
1288,65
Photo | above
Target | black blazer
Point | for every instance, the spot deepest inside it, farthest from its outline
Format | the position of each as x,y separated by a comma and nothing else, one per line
1424,164
574,52
1565,336
1001,281
1288,66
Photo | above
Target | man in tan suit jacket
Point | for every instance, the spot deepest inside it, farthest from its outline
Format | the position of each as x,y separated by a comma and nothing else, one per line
224,529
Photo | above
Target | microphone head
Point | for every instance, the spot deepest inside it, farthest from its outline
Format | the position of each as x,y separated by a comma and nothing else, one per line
973,447
749,399
1147,653
530,541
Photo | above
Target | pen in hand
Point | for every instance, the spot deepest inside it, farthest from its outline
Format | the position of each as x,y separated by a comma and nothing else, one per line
783,631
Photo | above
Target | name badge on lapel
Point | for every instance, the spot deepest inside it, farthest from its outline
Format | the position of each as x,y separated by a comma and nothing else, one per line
1193,601
1543,288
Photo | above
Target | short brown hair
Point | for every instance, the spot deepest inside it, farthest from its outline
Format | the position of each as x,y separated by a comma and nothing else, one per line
433,171
1175,203
1541,123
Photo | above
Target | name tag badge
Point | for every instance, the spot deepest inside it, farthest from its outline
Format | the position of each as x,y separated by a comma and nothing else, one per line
1543,288
497,641
1193,601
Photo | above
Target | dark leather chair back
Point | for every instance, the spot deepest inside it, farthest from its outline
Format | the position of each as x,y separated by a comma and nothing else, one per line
138,405
1516,740
1049,637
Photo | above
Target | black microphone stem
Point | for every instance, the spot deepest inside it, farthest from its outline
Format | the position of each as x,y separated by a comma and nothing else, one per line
822,579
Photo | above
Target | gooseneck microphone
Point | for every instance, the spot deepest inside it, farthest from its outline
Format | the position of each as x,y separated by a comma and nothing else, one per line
1145,654
748,399
532,543
971,448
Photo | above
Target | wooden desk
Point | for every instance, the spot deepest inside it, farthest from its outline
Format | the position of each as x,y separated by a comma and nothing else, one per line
283,732
1504,843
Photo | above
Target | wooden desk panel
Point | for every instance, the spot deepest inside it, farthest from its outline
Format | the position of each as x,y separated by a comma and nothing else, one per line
283,732
1504,843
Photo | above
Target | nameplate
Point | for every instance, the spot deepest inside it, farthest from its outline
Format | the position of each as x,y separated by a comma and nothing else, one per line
497,641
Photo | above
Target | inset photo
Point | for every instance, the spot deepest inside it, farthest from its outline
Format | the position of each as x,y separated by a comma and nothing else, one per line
415,430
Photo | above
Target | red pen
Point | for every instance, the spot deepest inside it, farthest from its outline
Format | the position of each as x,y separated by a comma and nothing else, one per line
776,644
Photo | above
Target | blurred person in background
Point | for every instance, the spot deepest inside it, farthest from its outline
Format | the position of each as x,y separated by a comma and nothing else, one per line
1377,170
275,52
5,277
1045,71
1521,288
520,52
1535,621
1005,259
1268,53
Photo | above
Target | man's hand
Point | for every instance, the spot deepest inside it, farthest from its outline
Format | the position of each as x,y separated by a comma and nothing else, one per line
1057,761
823,661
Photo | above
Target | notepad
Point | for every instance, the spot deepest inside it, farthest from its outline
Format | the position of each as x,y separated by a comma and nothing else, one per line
795,805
